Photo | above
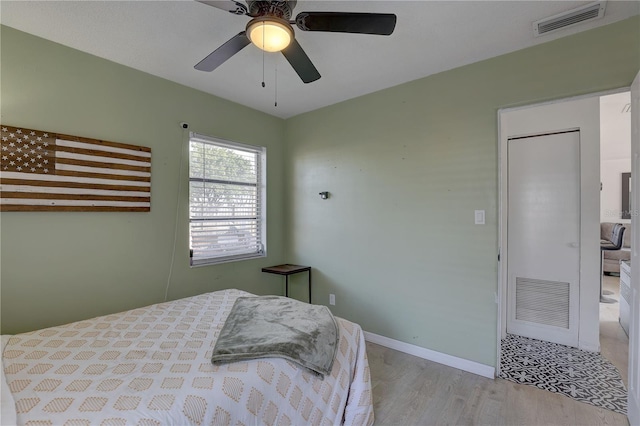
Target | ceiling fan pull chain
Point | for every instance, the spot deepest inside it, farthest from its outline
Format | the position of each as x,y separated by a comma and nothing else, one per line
263,85
276,102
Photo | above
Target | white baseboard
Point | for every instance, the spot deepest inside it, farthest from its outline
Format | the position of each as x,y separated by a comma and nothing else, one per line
439,357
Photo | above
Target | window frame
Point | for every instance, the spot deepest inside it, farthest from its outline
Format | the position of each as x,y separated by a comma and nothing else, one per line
261,194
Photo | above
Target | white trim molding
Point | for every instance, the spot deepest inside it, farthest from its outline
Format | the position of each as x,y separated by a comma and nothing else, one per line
428,354
561,114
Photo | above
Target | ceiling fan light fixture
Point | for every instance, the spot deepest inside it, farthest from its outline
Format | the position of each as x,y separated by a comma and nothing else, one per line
270,34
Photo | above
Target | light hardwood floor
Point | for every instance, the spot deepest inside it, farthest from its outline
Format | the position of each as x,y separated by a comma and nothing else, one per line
412,391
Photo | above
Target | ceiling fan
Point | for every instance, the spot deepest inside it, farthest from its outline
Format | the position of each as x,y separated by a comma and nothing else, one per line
270,30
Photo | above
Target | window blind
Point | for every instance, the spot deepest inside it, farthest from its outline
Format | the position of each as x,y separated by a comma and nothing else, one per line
226,200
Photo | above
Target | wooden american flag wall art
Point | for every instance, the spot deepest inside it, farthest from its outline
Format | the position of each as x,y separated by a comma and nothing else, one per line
45,171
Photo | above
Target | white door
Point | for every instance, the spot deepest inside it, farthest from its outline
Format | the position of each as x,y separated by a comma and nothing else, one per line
543,233
633,410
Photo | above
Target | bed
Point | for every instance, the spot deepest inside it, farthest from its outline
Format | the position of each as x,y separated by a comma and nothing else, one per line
152,366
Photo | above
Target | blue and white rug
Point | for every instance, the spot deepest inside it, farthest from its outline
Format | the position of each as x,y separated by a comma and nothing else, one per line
581,375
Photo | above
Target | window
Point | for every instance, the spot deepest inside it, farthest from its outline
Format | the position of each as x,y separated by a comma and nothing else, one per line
227,214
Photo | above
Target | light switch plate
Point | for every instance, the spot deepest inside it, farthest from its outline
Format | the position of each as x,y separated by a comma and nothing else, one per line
479,217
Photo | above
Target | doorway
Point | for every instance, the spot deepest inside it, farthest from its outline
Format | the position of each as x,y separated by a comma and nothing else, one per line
581,115
615,168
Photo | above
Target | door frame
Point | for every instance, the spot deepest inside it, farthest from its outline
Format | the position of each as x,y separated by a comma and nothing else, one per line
590,252
633,396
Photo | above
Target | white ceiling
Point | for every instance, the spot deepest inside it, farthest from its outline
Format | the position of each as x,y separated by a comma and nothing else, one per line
167,38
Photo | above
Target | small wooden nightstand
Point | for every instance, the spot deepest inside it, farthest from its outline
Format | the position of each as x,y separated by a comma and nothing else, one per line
286,270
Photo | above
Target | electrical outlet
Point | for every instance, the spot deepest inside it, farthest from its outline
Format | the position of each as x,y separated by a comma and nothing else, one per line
332,299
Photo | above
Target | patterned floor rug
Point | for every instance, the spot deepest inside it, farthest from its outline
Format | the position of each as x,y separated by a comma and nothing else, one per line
581,375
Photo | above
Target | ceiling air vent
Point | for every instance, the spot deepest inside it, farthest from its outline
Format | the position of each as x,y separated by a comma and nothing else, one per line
572,17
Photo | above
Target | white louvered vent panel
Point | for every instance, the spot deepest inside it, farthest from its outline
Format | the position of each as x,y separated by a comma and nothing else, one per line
542,302
572,17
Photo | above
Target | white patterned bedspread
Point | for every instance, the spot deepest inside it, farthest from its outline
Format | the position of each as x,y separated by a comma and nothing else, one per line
152,366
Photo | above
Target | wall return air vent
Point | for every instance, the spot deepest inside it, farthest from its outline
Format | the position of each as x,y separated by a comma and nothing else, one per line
569,18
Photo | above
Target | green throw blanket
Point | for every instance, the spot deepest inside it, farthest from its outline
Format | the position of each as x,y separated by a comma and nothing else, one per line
274,326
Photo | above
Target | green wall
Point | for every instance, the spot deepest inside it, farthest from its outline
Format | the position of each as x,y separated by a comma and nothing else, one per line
406,168
61,267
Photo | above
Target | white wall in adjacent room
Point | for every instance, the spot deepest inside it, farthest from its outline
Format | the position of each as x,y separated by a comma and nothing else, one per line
615,153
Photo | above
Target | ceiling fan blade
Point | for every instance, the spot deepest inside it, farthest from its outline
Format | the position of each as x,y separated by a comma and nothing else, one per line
224,52
228,5
347,22
301,62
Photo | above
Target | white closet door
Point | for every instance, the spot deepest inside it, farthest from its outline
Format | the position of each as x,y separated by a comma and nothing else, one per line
544,237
